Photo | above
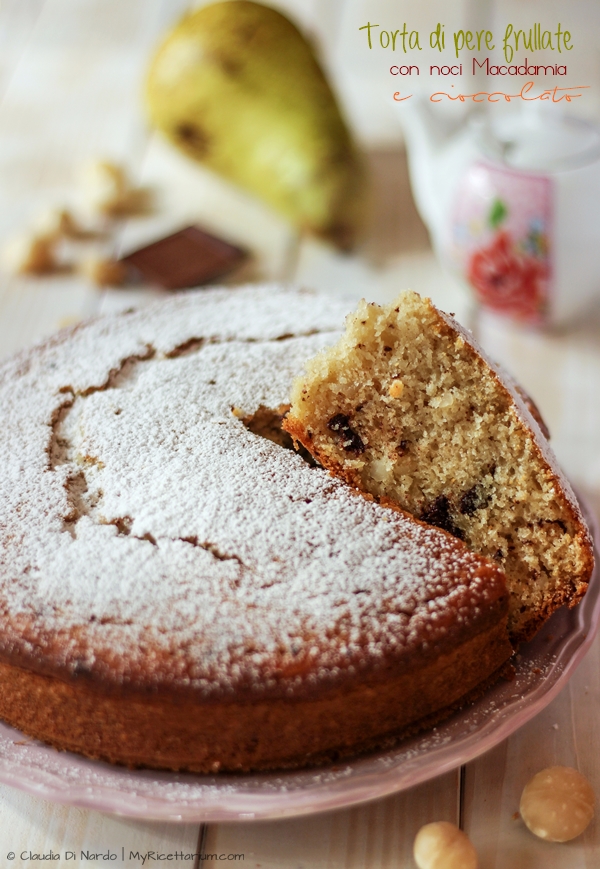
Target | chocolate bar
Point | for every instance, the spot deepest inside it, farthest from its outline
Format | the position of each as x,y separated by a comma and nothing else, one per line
187,258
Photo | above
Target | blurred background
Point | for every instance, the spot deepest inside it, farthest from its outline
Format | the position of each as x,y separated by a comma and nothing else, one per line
71,80
71,91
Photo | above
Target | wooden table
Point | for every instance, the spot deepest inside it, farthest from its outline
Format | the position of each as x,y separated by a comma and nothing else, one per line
70,75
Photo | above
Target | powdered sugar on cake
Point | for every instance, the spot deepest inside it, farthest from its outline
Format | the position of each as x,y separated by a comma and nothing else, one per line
149,538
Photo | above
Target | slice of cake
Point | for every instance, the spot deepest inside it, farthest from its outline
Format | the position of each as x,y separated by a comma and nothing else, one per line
407,408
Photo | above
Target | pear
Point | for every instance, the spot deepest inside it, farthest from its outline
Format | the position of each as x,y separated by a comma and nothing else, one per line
236,86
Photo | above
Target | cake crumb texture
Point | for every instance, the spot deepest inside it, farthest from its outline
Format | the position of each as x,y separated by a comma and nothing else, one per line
407,408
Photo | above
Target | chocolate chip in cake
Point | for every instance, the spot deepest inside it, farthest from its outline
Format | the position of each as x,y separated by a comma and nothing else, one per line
351,440
438,514
473,500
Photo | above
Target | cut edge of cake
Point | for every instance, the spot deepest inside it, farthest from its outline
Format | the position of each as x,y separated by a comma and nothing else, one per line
408,408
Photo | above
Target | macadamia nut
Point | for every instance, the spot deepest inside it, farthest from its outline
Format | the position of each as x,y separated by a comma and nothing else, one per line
56,223
557,804
29,254
103,271
396,388
442,845
105,188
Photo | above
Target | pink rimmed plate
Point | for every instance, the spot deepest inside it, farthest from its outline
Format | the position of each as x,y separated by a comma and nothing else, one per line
544,667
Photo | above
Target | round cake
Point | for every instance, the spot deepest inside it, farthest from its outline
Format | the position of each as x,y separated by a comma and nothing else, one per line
181,590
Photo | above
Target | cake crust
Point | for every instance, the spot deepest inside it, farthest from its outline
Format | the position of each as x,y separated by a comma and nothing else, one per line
184,733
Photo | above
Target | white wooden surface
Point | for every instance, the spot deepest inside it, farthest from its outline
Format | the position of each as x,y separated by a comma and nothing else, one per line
70,74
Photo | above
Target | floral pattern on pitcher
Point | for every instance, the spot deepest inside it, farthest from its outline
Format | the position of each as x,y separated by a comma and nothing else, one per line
501,240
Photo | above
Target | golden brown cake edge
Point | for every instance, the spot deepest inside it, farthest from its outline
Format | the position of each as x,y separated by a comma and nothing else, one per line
162,732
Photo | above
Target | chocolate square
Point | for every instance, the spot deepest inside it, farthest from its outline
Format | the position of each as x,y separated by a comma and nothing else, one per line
185,259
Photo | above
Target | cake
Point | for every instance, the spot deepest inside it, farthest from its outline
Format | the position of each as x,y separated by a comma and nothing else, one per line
408,408
179,589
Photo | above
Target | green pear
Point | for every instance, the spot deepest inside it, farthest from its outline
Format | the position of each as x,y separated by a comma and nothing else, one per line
236,86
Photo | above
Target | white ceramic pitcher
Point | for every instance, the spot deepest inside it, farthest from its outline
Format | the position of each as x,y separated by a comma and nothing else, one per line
512,202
